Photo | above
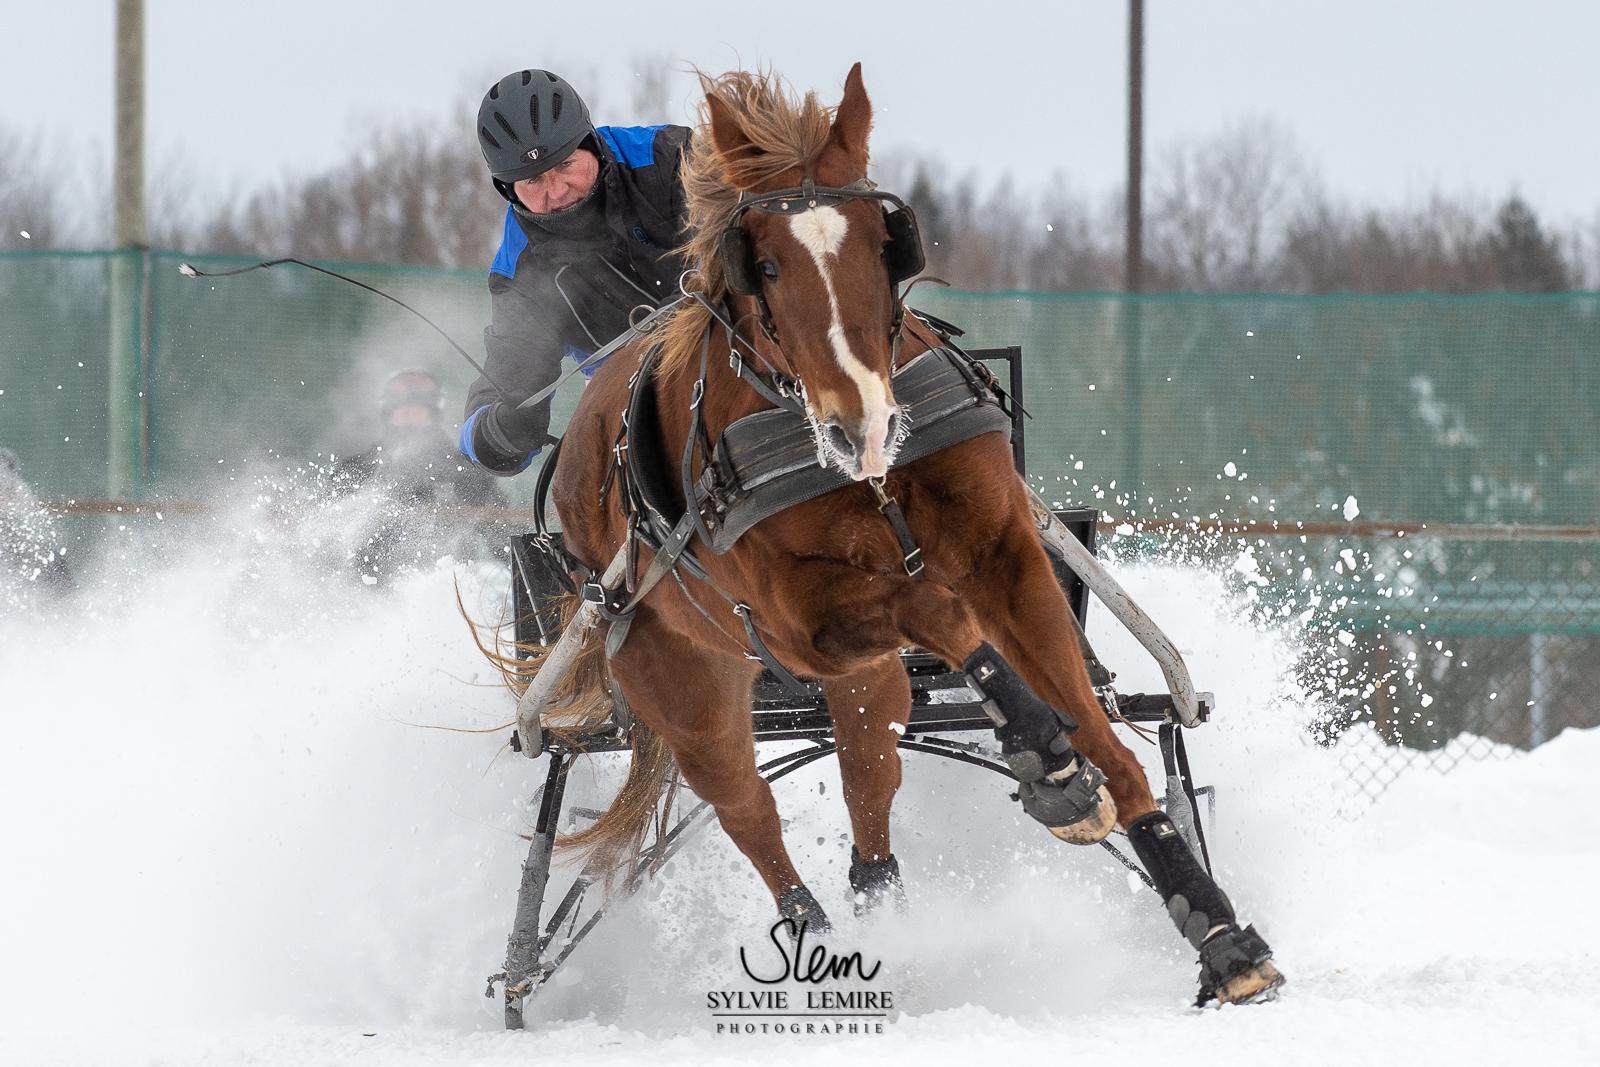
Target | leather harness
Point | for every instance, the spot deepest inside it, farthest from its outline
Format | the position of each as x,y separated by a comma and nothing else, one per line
759,466
767,461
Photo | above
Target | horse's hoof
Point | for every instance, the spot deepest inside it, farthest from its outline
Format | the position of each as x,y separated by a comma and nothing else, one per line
1254,986
1235,968
1099,823
803,912
875,883
1072,803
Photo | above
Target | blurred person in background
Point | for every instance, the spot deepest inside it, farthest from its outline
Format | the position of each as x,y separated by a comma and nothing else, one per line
33,561
416,461
416,466
592,216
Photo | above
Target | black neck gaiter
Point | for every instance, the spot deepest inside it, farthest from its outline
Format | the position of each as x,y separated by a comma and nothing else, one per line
583,221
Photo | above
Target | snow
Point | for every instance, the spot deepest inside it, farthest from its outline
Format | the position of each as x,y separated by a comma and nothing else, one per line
230,838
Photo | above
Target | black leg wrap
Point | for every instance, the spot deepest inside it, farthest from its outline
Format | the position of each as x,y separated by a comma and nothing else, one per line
1201,912
876,883
1192,898
1032,734
798,904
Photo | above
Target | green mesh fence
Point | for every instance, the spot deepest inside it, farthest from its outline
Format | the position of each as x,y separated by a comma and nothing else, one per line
228,377
1424,408
120,377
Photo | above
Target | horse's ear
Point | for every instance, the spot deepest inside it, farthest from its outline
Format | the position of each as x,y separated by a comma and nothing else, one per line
852,122
732,143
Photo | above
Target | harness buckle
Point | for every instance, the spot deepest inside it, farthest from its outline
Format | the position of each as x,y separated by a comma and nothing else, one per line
697,393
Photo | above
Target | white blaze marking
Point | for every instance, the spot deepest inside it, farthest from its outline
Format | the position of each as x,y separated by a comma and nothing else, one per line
821,232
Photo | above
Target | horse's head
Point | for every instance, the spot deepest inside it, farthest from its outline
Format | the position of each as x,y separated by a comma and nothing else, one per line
820,271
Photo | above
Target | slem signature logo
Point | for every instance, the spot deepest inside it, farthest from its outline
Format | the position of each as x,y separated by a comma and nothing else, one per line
830,1010
822,966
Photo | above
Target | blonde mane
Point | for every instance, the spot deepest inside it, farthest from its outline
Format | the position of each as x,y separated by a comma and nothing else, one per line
789,131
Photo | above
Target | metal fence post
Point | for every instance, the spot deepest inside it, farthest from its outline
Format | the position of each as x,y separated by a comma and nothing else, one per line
1538,696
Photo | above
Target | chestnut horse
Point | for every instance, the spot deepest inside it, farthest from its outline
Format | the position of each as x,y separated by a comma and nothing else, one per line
826,579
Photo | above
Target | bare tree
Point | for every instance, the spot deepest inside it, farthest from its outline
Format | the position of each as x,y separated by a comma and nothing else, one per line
652,90
1079,249
31,211
415,194
1220,206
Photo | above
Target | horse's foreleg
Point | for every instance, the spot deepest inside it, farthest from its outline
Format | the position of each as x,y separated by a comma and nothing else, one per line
870,709
1029,621
1059,786
699,702
1029,618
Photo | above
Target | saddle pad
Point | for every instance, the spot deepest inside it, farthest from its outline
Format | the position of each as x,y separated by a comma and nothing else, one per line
767,462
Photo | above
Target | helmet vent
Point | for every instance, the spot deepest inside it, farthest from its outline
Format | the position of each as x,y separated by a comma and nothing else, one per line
552,77
494,92
483,132
533,113
527,76
506,126
555,107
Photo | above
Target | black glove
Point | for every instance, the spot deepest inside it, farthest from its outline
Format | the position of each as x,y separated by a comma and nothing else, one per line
505,438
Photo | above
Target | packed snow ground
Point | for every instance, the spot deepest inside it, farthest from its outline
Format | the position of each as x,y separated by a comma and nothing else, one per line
229,838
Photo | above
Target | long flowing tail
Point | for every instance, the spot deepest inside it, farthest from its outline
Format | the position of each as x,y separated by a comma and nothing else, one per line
613,843
580,704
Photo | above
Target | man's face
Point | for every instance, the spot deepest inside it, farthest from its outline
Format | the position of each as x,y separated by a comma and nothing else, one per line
562,185
412,415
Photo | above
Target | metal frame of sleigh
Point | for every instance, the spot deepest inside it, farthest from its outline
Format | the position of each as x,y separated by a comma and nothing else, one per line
944,715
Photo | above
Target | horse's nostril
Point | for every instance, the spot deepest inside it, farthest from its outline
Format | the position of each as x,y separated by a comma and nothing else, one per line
840,440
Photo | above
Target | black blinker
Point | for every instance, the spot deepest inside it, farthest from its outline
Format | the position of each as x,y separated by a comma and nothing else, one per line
738,266
903,256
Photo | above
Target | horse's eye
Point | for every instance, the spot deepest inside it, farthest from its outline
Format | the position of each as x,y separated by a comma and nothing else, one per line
769,270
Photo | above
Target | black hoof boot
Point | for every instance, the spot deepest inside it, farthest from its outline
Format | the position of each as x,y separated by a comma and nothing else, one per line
1234,967
876,883
1060,787
798,905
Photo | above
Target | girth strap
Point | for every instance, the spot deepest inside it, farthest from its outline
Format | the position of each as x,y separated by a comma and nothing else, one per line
790,682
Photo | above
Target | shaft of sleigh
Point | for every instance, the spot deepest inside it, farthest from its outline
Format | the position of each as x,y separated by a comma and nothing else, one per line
558,662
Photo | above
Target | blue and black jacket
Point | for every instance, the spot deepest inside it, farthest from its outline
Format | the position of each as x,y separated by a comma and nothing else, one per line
556,294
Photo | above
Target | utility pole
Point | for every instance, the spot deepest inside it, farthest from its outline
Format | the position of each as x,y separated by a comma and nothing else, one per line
124,409
1133,269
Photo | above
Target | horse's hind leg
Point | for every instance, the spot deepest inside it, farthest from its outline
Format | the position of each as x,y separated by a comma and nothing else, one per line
870,709
699,703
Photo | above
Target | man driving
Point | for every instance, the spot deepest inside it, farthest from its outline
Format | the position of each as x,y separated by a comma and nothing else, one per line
592,216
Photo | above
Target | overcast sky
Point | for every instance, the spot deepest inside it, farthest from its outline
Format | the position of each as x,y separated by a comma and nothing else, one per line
1389,99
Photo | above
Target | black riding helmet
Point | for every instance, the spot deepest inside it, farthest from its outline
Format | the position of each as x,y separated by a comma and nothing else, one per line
530,121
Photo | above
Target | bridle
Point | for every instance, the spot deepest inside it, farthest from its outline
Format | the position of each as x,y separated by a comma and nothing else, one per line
903,255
